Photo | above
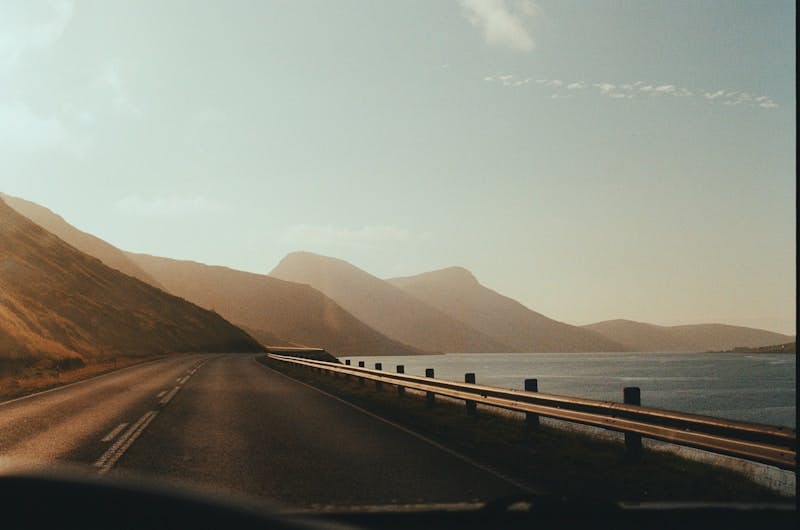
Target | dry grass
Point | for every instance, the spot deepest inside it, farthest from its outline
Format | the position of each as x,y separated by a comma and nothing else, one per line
20,378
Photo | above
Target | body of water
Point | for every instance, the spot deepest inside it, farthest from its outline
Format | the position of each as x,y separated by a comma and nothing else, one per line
755,388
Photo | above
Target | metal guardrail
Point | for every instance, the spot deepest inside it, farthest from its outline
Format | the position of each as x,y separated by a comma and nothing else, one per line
767,444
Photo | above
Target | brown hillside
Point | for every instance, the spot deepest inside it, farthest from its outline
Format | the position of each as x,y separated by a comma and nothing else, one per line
456,292
86,243
639,336
58,302
385,307
270,307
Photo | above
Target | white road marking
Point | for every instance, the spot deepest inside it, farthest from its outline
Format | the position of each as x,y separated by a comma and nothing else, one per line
115,452
113,434
166,399
110,457
492,471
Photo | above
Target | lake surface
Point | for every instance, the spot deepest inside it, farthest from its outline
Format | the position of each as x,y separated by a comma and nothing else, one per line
757,388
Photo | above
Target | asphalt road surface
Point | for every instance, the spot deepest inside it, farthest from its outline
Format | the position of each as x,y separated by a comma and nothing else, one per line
231,424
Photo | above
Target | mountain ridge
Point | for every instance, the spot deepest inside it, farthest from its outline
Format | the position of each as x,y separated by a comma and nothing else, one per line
646,337
457,291
83,241
383,306
58,302
294,313
323,317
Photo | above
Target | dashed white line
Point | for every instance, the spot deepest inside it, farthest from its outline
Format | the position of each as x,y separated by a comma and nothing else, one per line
110,457
114,432
171,394
123,443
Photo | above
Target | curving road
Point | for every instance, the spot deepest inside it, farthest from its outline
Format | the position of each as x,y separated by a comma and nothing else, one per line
232,424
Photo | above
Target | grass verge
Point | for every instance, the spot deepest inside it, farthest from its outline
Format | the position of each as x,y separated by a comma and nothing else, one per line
556,461
18,379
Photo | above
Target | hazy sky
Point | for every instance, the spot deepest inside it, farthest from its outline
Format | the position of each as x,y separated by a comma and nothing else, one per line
593,160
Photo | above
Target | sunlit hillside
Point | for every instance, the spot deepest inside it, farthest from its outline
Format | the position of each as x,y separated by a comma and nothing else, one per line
385,307
57,302
271,307
458,293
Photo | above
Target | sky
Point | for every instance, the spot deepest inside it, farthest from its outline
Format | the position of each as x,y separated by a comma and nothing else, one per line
592,159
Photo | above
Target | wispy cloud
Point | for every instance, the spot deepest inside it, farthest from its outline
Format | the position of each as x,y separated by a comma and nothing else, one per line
169,206
505,24
111,80
637,89
23,130
508,80
22,28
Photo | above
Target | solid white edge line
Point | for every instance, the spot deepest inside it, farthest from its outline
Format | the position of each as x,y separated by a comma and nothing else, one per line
82,381
114,432
417,435
161,394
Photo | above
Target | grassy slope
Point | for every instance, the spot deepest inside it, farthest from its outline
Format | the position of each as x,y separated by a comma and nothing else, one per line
86,243
270,307
56,302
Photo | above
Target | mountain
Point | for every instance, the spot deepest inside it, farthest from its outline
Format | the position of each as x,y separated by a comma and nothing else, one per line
57,302
268,307
385,307
456,292
639,336
86,243
789,347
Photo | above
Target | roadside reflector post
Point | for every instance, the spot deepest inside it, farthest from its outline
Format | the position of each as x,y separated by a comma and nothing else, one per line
401,391
430,397
633,441
532,419
361,379
471,405
378,384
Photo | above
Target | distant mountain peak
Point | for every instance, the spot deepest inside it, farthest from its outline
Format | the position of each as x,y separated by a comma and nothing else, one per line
455,275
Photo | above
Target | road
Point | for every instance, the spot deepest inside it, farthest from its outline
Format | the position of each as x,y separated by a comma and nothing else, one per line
232,424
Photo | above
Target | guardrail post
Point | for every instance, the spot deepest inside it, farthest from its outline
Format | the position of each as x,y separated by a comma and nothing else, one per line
471,405
430,397
361,379
378,384
532,419
347,376
633,441
401,391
